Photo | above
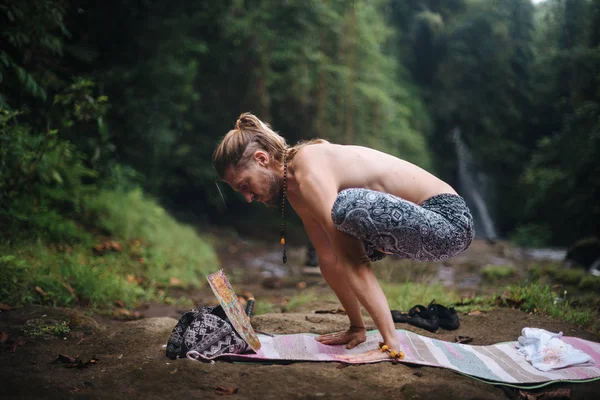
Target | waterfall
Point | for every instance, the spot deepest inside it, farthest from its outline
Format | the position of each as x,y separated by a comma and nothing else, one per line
472,186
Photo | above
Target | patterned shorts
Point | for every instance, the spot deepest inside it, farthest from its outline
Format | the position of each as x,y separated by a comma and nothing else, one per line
438,228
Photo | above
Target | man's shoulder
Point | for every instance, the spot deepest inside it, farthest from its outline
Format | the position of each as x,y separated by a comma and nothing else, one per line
311,157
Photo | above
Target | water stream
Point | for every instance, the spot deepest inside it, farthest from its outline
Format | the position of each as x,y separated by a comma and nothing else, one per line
472,186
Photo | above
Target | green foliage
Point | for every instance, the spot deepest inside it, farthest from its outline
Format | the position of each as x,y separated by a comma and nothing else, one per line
42,328
498,272
575,278
168,249
531,235
405,295
63,279
542,299
155,252
32,33
520,82
41,182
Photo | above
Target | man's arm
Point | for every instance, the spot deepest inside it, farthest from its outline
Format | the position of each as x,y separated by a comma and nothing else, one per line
331,269
319,191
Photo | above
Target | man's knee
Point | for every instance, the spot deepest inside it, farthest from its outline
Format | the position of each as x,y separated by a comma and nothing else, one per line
343,204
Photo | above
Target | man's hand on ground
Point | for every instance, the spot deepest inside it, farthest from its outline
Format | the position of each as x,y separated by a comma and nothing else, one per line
351,338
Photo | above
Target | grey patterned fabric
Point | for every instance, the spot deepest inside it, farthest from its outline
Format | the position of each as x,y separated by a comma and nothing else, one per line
438,228
206,331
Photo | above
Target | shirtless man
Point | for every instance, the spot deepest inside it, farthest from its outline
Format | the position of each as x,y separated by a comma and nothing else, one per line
357,205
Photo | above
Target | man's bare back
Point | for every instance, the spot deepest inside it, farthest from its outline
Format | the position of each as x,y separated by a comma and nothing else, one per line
362,167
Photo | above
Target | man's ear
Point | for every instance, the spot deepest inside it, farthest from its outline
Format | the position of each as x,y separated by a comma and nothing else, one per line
262,158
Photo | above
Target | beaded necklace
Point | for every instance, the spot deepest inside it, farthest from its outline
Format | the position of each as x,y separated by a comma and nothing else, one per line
283,198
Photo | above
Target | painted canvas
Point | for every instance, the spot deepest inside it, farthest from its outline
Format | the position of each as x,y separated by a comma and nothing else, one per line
233,308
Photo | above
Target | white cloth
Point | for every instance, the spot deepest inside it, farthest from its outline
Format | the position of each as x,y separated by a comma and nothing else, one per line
547,351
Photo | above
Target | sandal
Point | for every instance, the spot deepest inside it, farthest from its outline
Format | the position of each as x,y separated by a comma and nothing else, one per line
430,318
419,316
447,315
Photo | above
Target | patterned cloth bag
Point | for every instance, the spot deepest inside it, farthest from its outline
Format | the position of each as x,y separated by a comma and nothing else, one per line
206,332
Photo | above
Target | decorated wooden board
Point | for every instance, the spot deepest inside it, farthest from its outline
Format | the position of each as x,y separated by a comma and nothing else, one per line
233,308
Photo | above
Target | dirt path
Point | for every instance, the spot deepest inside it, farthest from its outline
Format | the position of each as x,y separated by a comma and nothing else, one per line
131,362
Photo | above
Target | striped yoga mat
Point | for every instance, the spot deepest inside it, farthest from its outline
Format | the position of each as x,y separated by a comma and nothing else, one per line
498,363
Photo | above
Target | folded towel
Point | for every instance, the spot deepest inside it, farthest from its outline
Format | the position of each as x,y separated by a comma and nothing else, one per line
546,350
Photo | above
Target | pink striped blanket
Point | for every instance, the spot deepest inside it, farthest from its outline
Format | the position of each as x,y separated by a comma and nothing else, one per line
496,363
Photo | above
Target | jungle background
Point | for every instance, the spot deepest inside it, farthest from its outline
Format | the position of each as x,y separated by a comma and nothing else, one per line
110,208
110,112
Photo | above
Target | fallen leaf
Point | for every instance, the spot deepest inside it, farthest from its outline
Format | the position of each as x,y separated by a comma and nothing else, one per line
40,291
119,303
225,390
64,359
3,337
121,311
130,278
475,312
175,281
463,339
301,285
115,246
5,307
70,289
19,342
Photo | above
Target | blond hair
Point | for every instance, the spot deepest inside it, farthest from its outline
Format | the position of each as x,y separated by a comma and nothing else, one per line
239,144
251,134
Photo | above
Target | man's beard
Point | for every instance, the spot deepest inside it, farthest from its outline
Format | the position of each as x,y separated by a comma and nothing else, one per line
275,191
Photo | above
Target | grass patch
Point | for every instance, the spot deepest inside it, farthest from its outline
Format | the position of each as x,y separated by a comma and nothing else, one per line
573,277
540,298
495,273
264,307
403,296
537,298
148,251
40,328
303,297
166,248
